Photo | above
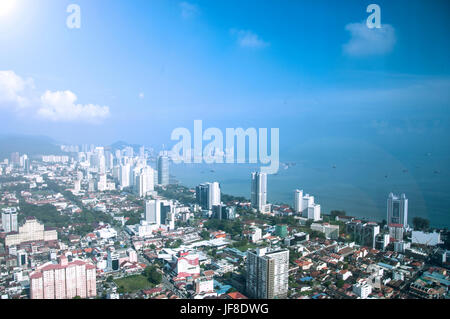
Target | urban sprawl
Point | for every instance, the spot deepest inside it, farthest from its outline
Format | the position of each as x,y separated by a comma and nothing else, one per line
112,223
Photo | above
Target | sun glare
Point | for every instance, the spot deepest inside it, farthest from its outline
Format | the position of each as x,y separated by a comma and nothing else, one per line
6,7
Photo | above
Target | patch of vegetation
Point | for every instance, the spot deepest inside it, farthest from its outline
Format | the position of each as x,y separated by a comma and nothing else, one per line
232,227
133,283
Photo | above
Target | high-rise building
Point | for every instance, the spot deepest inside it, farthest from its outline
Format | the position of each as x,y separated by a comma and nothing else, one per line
298,201
397,210
77,185
124,176
163,170
364,234
267,273
208,195
166,209
144,181
153,211
65,280
259,192
213,194
9,220
314,212
15,159
113,259
201,194
102,183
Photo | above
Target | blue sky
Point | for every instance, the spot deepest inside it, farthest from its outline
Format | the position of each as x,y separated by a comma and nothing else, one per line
136,70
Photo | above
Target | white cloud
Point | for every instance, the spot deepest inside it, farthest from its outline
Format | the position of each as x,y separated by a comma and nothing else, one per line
18,94
14,90
141,95
248,39
367,42
188,10
61,106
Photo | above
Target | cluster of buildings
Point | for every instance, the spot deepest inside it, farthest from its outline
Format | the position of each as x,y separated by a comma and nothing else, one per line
308,255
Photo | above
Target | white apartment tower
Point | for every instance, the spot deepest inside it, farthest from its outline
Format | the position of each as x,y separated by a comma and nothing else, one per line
259,192
9,220
153,211
298,201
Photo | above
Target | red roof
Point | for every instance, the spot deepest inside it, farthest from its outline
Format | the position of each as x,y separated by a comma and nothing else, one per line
236,295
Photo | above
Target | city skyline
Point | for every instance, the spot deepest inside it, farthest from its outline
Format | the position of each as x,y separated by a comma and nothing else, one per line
198,150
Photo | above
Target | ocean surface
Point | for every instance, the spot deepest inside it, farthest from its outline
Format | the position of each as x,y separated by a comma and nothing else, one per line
355,176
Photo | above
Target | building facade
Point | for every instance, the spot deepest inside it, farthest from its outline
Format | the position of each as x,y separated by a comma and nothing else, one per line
259,192
31,230
267,273
65,280
397,210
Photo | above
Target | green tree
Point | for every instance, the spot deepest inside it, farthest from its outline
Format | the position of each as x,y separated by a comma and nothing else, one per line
205,234
153,275
335,213
420,223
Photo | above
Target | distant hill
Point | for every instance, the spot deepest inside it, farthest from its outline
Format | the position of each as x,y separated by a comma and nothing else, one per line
120,145
30,145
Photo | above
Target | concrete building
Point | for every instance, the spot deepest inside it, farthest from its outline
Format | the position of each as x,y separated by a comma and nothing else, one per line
314,212
422,238
382,241
9,219
298,201
362,289
330,231
396,231
363,233
397,210
153,211
267,273
31,230
186,264
163,170
65,280
208,195
259,192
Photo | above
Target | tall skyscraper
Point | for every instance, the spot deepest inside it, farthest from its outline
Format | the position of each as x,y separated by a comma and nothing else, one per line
259,192
298,198
397,210
144,181
9,220
124,176
201,193
267,273
213,194
153,211
15,159
163,170
208,195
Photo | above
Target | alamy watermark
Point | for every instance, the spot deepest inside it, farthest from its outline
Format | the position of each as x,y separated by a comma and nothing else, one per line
231,150
374,20
74,19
